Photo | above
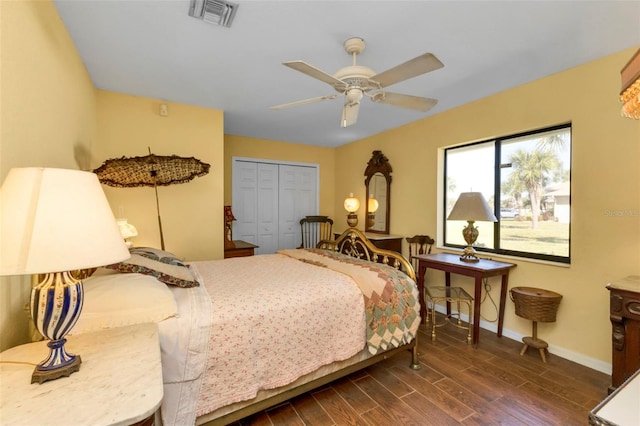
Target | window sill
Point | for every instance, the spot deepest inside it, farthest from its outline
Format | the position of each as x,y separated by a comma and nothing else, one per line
496,256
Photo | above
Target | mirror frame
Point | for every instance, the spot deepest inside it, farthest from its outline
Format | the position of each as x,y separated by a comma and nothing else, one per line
378,164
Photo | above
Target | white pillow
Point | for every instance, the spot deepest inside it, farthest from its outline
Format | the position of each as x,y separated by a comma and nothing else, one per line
116,300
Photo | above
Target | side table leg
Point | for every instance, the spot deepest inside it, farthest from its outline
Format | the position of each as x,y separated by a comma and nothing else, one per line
447,281
503,299
476,309
422,270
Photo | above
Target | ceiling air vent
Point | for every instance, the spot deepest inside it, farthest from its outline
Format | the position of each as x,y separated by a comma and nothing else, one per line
216,12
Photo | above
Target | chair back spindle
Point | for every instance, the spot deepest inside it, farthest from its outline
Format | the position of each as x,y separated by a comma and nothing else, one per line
315,229
419,244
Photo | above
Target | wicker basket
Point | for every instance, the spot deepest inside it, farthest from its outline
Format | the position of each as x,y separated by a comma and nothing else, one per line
535,304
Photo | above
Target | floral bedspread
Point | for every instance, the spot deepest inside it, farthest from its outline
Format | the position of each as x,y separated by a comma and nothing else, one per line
266,330
390,296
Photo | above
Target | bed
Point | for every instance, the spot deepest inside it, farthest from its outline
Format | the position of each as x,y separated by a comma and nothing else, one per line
243,334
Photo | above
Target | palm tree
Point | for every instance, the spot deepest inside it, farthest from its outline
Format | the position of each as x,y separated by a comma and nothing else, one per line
532,169
451,189
514,187
555,142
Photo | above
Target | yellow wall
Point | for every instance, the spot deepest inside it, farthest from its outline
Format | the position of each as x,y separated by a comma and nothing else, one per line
191,213
51,116
47,117
605,177
240,146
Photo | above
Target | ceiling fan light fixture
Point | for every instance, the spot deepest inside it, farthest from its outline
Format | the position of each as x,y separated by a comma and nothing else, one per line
354,96
217,12
356,81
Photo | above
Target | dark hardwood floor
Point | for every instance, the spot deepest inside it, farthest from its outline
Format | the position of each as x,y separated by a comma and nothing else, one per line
457,384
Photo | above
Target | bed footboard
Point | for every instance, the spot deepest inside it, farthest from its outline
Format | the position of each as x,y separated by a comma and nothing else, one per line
302,385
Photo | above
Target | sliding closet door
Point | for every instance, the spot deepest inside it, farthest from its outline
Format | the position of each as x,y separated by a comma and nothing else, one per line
267,208
269,199
298,197
245,206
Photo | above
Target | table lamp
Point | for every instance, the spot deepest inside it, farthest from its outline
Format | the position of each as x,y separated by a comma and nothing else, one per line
52,222
351,205
471,206
127,231
228,227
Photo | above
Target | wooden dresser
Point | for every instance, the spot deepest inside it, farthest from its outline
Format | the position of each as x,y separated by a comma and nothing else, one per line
241,249
383,241
624,302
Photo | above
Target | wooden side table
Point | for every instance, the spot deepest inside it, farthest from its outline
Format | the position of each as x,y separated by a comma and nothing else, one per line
241,249
451,264
119,382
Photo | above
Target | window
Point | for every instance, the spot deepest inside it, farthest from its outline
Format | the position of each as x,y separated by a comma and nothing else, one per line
526,180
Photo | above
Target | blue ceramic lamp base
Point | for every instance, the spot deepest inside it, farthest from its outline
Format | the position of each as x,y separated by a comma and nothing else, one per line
56,303
50,369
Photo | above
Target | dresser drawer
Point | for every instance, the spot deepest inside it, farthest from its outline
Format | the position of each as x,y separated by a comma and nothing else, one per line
625,304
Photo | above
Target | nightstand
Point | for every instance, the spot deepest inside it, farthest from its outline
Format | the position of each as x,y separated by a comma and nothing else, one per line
119,382
241,249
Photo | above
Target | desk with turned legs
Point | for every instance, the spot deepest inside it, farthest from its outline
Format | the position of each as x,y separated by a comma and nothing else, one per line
451,263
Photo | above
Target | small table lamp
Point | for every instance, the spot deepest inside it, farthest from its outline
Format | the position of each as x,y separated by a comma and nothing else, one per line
54,221
228,227
127,231
351,205
471,206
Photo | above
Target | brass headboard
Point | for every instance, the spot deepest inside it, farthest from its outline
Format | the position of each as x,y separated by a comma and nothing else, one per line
354,243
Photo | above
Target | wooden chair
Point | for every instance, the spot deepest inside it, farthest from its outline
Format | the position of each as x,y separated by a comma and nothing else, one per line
419,244
314,229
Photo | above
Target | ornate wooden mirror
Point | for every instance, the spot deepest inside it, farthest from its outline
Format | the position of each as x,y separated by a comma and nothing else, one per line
378,185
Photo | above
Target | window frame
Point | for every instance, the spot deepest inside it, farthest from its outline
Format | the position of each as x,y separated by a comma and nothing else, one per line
497,146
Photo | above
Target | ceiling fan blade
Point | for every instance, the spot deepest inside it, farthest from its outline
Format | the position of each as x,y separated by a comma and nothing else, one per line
349,114
404,101
305,101
314,72
414,67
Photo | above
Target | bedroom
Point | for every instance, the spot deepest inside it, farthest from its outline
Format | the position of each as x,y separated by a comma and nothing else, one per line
89,125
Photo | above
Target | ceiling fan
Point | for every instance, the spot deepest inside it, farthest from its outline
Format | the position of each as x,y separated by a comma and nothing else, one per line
356,81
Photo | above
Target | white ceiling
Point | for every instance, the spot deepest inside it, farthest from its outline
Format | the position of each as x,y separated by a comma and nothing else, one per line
154,49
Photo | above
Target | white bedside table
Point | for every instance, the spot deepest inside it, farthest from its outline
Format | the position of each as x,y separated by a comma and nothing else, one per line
119,382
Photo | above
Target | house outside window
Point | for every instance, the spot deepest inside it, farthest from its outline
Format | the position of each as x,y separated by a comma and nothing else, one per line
526,180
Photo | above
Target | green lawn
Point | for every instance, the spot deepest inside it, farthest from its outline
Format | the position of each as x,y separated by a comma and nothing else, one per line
550,238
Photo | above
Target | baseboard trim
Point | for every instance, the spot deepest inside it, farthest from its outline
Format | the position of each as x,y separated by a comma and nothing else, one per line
596,364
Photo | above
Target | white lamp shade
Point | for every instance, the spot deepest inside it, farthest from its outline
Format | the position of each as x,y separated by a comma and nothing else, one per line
55,220
472,206
351,204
